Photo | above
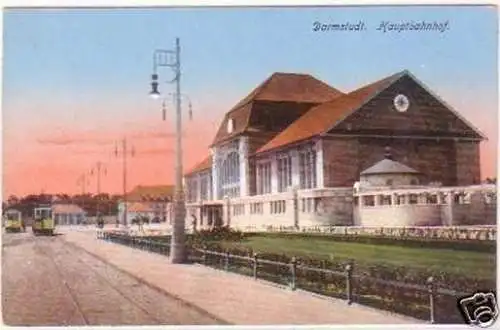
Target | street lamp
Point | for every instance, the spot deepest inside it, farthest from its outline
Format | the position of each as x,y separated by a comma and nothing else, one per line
172,59
164,110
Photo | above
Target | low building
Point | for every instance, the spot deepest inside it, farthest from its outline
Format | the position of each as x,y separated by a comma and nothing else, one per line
68,214
389,195
153,202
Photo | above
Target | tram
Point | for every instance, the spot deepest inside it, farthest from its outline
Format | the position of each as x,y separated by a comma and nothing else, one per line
43,223
13,221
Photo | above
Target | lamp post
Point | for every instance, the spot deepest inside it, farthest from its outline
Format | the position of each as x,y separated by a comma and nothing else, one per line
172,59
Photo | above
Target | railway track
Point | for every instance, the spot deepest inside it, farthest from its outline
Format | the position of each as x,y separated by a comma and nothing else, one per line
105,295
42,249
67,253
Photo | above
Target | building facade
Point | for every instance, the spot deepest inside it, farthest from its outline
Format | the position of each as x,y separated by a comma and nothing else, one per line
68,214
151,202
290,153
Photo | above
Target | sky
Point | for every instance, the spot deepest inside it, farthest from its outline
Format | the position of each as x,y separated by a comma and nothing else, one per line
76,81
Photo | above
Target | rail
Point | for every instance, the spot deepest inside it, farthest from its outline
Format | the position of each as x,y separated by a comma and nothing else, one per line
294,271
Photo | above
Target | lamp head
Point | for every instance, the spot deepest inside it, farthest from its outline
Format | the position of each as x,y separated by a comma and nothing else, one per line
155,94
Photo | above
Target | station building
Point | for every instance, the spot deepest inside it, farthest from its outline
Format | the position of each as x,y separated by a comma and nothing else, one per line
297,152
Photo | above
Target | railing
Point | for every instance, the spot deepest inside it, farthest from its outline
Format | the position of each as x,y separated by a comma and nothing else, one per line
338,283
297,278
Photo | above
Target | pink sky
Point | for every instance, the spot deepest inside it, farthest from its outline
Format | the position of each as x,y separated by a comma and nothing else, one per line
51,158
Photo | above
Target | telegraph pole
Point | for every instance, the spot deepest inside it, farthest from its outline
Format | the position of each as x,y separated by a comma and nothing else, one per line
98,168
125,152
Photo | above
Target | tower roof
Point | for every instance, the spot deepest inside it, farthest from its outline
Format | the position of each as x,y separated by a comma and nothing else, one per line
389,166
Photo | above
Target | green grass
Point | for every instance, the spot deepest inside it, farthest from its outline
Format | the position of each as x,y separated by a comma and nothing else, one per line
480,265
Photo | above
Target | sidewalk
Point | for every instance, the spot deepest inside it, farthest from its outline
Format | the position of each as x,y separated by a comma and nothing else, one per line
233,298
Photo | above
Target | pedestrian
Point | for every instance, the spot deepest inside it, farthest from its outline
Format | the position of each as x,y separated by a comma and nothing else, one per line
193,222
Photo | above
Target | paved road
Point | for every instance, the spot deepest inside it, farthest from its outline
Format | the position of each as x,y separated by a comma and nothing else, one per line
47,282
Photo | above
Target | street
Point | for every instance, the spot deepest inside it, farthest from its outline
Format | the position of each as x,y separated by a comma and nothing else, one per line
49,282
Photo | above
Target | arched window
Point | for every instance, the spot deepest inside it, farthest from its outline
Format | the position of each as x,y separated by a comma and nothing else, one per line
229,175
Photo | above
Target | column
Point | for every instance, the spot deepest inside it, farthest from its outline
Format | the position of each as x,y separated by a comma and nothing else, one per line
243,158
213,152
295,168
319,164
198,187
393,199
274,174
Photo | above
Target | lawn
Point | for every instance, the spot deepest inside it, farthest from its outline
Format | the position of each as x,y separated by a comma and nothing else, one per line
480,265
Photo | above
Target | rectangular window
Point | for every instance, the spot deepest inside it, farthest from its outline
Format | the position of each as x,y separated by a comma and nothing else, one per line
385,200
432,199
238,209
256,208
369,200
400,200
277,207
264,178
284,173
204,187
413,199
307,169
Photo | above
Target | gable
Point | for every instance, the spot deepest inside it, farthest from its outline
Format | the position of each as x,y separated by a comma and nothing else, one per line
279,88
426,116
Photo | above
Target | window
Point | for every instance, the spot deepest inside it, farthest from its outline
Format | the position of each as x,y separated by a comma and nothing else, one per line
229,174
369,200
307,169
385,200
238,209
284,173
400,200
263,178
256,208
204,187
413,199
309,205
192,189
278,207
388,182
431,199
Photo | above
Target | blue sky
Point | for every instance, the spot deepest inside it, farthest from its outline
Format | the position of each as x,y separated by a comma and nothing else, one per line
90,67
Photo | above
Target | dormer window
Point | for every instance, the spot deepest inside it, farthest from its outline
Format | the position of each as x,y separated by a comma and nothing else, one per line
230,125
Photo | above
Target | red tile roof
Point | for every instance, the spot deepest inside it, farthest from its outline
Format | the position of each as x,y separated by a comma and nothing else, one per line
67,208
323,117
204,165
139,208
279,87
141,193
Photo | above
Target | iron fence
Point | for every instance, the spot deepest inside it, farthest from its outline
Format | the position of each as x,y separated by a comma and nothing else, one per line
425,301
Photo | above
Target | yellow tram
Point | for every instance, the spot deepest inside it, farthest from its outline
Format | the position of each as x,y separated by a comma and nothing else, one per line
13,221
43,224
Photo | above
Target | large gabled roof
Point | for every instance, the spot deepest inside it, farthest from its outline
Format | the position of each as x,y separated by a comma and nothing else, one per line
279,87
322,117
201,166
